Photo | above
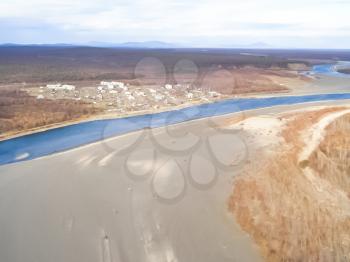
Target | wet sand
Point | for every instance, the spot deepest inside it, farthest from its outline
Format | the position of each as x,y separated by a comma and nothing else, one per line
154,195
93,204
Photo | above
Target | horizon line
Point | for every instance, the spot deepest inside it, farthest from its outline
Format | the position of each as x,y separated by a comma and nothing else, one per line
124,45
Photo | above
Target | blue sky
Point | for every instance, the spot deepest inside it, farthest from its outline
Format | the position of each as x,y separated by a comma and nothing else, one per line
208,23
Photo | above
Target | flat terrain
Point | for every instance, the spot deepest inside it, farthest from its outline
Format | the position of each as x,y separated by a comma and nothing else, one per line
19,111
48,64
256,185
158,194
138,205
198,76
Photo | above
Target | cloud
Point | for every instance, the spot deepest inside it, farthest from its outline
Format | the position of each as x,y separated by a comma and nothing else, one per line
175,21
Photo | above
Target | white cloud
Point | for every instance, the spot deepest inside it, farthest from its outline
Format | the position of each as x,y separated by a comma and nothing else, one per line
181,21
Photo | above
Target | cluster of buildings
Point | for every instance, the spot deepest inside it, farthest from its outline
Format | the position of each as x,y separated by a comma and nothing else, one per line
121,97
112,85
56,87
51,89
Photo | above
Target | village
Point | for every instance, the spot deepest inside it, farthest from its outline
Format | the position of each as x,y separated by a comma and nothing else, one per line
124,98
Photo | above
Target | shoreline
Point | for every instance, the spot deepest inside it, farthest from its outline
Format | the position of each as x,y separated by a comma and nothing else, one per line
111,116
83,174
116,115
222,118
102,116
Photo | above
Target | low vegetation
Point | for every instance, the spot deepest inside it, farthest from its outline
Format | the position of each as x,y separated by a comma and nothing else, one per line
332,158
19,111
228,72
48,64
299,212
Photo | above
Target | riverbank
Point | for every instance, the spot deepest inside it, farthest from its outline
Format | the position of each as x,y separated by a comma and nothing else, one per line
295,86
111,115
70,136
101,116
298,186
95,198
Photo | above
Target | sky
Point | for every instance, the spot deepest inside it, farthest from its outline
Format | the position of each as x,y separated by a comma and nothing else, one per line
207,23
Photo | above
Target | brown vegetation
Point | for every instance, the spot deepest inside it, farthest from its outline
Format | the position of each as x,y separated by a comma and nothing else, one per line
28,67
294,213
247,73
332,158
250,80
21,112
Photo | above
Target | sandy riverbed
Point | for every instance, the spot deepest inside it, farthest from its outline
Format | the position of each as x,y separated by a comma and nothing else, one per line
155,195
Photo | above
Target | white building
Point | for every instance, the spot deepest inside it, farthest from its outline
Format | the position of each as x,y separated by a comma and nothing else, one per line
189,95
60,87
68,87
213,94
53,86
168,87
152,90
158,97
140,93
119,85
113,84
130,97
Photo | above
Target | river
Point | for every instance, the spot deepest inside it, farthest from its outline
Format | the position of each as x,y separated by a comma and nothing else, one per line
63,138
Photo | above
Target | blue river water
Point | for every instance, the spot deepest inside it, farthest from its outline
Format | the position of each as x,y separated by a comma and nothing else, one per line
63,138
331,70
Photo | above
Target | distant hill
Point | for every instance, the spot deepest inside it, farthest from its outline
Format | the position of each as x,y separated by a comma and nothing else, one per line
37,45
9,44
148,44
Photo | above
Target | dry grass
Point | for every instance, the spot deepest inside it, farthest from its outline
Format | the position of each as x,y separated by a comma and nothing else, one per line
244,73
299,122
293,215
246,80
21,112
332,158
